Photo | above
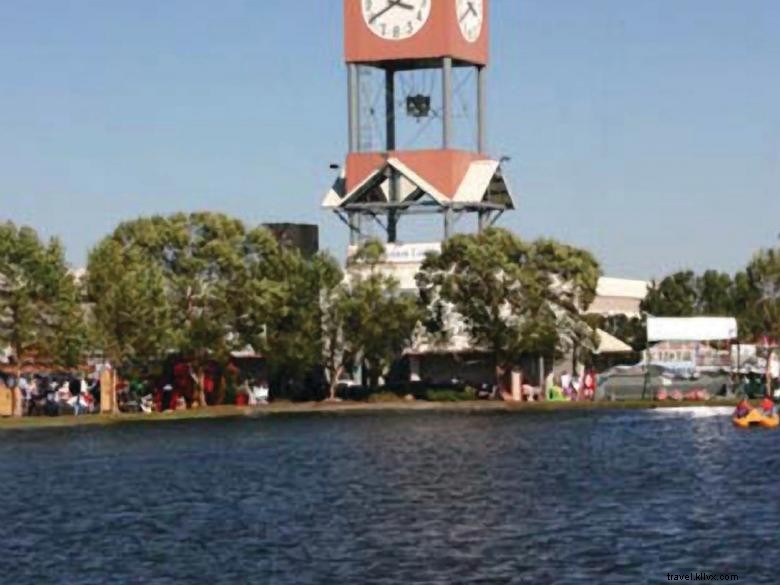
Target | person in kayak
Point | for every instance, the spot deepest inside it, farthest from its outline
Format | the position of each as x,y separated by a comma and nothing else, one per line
768,406
743,408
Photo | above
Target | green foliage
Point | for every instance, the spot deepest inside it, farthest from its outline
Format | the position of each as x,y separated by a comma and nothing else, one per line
746,297
751,295
632,330
201,284
40,307
451,395
675,296
366,318
127,290
763,273
293,339
514,297
715,294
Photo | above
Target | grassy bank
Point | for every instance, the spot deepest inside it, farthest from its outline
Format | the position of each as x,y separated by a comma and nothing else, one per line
346,407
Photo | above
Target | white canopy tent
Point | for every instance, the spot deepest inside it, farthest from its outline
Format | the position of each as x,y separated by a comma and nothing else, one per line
691,328
687,329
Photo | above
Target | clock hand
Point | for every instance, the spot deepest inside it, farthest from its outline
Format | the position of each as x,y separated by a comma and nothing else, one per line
390,5
470,9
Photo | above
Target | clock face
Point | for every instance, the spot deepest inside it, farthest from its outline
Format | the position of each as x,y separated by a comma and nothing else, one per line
470,15
396,20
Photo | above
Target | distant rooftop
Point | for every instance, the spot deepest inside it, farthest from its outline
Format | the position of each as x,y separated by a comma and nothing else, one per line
622,287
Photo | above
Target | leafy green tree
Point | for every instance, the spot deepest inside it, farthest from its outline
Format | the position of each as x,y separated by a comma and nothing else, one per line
378,320
574,275
514,297
632,330
40,310
338,349
131,314
746,298
197,284
677,295
715,294
293,334
67,337
764,276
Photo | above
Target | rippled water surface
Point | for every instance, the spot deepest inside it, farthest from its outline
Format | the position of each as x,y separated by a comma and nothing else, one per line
612,497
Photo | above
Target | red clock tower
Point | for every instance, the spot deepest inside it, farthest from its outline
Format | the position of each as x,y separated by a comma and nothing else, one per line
420,54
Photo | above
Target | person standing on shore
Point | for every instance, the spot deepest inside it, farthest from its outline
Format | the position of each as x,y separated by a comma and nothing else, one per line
589,385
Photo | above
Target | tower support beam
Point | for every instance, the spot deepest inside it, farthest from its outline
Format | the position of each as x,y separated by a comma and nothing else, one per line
483,221
354,228
481,109
392,216
449,220
446,69
353,107
389,109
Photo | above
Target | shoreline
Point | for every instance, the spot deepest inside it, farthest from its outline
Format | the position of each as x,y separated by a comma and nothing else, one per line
340,408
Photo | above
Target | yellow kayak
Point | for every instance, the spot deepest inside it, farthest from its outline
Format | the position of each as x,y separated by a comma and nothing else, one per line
756,418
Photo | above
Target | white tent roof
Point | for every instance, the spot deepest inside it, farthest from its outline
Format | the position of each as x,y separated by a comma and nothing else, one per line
691,328
483,181
334,196
611,344
476,181
622,287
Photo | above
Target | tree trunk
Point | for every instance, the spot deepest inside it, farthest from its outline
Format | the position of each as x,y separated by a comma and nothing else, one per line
373,377
498,365
15,390
500,372
334,380
200,387
114,401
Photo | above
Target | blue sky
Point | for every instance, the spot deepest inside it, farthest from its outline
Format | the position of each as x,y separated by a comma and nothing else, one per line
648,132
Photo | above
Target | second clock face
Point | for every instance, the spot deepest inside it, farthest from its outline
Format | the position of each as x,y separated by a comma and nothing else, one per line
470,16
396,20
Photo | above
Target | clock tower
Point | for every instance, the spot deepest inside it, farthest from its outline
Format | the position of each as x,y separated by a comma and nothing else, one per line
416,73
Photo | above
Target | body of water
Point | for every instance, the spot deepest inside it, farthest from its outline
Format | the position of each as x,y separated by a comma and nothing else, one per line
433,498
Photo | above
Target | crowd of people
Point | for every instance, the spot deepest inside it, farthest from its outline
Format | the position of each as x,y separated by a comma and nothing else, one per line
54,394
557,387
144,396
571,387
75,394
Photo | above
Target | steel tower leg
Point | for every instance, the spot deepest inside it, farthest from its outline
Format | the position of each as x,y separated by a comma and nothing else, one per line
448,222
446,102
481,109
392,214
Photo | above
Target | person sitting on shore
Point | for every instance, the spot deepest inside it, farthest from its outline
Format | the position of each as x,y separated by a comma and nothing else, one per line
258,393
167,401
555,393
768,406
63,393
743,408
565,381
